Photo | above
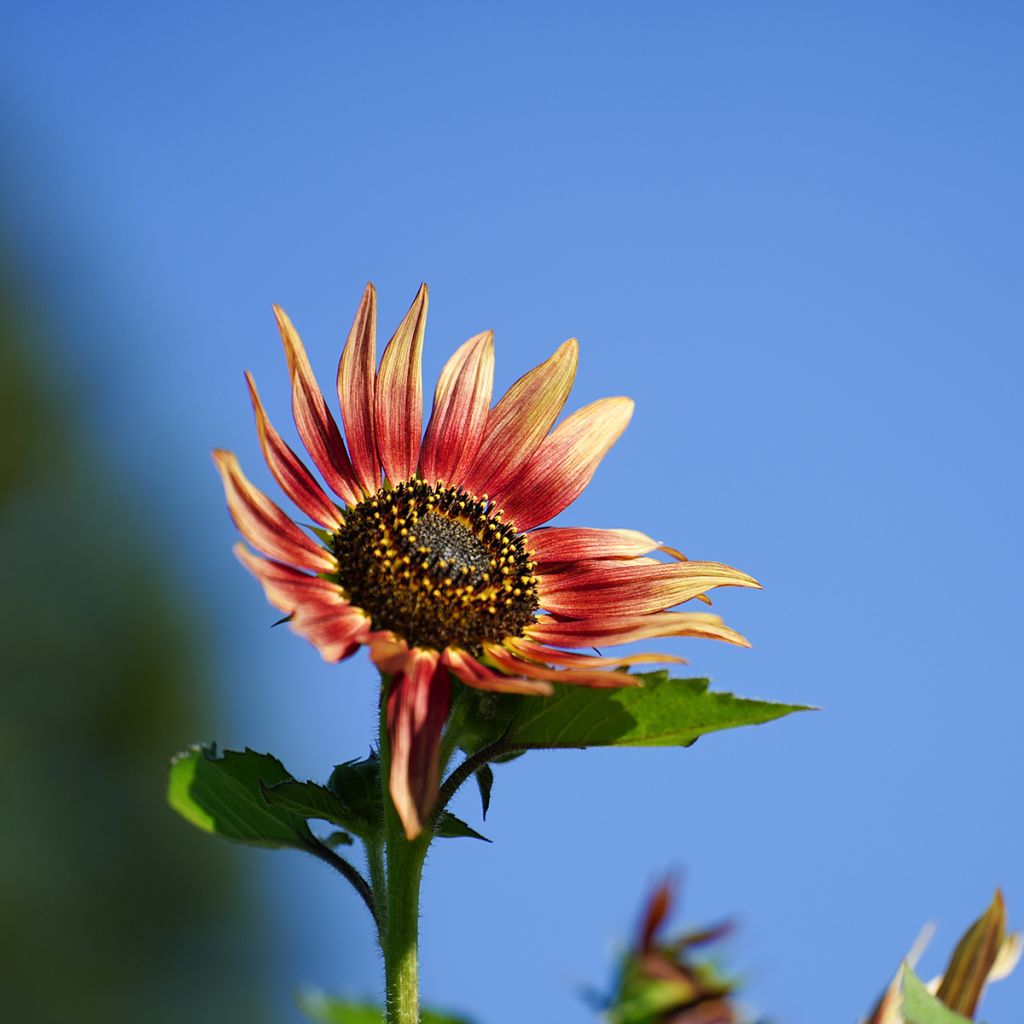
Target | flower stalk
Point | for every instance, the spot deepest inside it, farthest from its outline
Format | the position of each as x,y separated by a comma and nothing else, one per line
399,922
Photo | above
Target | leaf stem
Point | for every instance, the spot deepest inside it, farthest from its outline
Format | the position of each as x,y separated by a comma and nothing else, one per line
347,871
461,774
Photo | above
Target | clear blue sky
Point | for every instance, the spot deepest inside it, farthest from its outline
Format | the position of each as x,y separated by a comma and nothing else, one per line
791,231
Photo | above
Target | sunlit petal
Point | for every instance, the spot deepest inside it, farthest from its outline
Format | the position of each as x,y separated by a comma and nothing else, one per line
461,402
314,421
518,424
563,465
263,524
357,373
634,589
398,402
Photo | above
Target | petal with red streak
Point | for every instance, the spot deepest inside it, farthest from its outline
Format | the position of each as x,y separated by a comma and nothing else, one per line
633,589
518,424
318,609
551,544
290,472
398,403
357,372
418,702
472,673
508,662
315,423
563,465
263,524
548,655
610,630
461,401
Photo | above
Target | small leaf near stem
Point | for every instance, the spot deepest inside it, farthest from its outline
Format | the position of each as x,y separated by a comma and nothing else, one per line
227,796
485,780
472,764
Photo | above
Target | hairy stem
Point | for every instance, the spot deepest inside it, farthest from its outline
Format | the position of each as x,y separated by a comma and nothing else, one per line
378,879
402,874
348,872
461,774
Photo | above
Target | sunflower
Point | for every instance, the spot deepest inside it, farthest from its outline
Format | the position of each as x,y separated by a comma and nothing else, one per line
437,560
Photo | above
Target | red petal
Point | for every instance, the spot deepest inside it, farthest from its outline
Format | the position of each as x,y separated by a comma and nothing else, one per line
399,398
564,463
418,703
461,401
610,630
388,651
552,544
518,424
296,481
263,524
319,610
287,588
356,383
657,910
507,662
472,673
335,633
548,655
633,589
316,425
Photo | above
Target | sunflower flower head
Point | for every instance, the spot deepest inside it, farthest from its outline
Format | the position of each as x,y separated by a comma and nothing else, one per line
430,548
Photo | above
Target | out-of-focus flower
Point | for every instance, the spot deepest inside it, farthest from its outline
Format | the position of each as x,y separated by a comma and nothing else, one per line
662,982
985,953
436,561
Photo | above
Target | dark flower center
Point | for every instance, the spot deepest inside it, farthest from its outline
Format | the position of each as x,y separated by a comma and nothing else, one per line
435,566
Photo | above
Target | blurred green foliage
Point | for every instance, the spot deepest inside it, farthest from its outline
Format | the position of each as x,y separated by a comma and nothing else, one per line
110,911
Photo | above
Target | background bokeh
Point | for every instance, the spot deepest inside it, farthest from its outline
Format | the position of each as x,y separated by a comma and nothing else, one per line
791,231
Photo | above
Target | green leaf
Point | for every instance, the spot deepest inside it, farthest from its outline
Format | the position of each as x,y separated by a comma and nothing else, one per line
325,1009
485,780
357,785
223,795
921,1007
450,827
308,800
662,712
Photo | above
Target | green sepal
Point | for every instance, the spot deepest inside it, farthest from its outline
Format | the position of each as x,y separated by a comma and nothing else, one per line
224,796
450,827
661,712
921,1007
325,1009
485,781
356,784
649,1002
308,800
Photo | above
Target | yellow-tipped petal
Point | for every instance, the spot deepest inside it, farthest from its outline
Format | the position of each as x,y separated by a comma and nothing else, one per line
518,424
563,465
357,373
399,395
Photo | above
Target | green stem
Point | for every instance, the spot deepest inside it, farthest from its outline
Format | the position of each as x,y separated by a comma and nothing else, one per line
404,869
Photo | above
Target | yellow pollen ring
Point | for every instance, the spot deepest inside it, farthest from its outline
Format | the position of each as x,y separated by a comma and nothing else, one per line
461,578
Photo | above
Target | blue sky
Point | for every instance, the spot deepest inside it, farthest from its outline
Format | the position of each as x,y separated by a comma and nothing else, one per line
790,231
